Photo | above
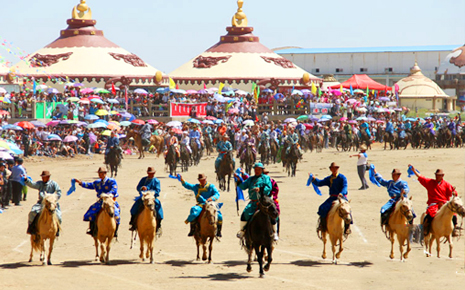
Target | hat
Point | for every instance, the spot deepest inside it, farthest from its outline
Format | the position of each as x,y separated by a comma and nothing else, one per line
102,170
439,172
151,170
333,164
45,173
363,147
396,171
258,165
202,176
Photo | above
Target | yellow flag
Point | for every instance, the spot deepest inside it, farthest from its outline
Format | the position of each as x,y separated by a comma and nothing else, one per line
172,84
220,88
314,90
341,89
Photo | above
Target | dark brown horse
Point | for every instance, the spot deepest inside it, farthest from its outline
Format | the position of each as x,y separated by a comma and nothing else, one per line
264,153
171,159
226,168
273,150
113,161
185,158
292,158
196,152
248,159
208,144
259,234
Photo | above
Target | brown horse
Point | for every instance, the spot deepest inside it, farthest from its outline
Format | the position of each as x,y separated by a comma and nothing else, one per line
398,224
337,217
146,226
106,224
273,150
156,141
442,225
207,232
47,228
226,168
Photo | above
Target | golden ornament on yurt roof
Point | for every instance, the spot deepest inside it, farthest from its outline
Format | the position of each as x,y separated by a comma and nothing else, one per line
240,19
82,11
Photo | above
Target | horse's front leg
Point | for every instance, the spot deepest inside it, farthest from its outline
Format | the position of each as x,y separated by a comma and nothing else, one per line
323,237
107,256
32,248
141,255
96,249
249,261
150,248
50,248
338,254
438,246
204,247
408,249
451,245
391,238
259,251
198,248
269,250
102,252
210,248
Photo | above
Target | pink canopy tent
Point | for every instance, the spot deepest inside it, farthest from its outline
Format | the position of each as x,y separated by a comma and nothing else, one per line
362,82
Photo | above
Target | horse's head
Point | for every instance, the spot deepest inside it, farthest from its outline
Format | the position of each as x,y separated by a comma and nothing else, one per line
267,206
108,204
455,204
405,207
149,200
49,202
211,212
344,210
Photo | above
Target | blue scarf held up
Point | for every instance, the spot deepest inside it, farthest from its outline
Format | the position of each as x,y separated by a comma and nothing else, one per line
372,175
317,190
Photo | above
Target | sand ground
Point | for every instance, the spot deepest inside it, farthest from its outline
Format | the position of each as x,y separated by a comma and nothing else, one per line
297,263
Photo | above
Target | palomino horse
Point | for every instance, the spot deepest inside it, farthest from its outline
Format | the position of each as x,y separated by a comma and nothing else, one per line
398,224
47,228
185,158
247,159
442,225
146,225
113,161
259,234
226,168
156,141
106,225
337,217
207,232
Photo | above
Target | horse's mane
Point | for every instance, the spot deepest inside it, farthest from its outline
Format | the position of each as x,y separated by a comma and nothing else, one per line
444,208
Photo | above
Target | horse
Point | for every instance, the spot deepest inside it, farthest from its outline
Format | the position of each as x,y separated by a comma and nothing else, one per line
259,234
146,225
365,139
47,228
264,153
106,227
156,141
171,159
113,161
196,152
208,144
248,159
343,142
398,224
273,150
389,138
317,142
416,138
337,216
207,232
291,160
226,168
442,225
185,158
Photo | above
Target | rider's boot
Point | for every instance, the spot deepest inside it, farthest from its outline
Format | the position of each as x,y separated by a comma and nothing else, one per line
457,230
219,226
91,229
241,232
116,231
426,225
321,225
158,228
275,232
192,230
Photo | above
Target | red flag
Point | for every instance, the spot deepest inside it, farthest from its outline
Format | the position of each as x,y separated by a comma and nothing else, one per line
204,86
113,89
126,97
177,86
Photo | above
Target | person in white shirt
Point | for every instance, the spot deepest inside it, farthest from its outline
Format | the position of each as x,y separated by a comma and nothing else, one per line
362,163
186,141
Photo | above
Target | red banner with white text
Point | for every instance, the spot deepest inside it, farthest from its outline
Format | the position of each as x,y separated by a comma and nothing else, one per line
184,110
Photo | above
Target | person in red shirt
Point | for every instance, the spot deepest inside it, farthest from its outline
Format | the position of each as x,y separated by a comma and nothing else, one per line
439,193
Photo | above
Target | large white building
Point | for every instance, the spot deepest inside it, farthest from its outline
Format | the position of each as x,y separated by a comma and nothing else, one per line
386,65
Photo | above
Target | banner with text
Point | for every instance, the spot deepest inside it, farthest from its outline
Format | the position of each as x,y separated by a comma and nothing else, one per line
184,110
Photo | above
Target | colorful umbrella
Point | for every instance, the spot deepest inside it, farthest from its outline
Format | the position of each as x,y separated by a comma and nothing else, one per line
26,125
53,123
91,117
152,122
70,139
3,113
54,137
73,99
192,120
303,117
84,101
141,92
209,122
174,124
101,113
87,91
106,133
233,111
12,127
125,123
97,101
5,155
138,122
113,101
38,124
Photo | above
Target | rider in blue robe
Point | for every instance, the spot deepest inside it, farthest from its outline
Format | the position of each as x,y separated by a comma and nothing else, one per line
112,142
401,130
224,147
195,134
147,183
102,185
365,126
203,192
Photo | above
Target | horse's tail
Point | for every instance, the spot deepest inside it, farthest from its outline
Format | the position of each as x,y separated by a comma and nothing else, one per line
35,242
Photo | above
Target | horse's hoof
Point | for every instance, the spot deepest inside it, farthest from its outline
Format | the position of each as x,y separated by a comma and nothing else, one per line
152,262
391,256
335,262
44,264
30,260
204,258
323,256
249,268
266,268
262,275
49,263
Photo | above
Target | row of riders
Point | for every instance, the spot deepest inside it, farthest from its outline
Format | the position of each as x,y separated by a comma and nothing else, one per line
259,219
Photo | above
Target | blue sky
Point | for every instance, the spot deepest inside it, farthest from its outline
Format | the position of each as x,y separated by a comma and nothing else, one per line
168,33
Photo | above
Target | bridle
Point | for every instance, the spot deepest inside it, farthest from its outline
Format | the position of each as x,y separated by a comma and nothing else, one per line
405,212
454,207
341,214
